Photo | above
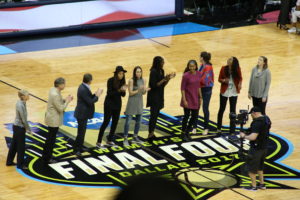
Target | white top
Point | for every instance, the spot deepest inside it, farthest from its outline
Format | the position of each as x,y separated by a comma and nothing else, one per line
231,90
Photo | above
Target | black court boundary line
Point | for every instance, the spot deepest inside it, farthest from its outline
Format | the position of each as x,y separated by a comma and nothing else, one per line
162,44
20,89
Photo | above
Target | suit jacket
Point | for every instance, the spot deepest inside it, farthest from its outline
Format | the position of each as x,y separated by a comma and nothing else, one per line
55,108
85,107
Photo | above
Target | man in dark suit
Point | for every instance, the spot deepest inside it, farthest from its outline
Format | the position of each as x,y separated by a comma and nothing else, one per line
84,110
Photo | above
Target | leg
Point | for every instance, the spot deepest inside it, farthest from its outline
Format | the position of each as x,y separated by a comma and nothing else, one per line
253,178
206,100
115,120
194,115
49,145
20,147
138,119
263,107
154,112
185,118
13,147
223,102
261,177
80,134
232,102
107,116
126,126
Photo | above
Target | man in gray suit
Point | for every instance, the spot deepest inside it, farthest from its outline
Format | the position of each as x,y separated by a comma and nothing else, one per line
54,117
84,110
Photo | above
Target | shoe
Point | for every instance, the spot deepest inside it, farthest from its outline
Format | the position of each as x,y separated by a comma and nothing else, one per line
233,138
100,146
11,164
250,187
23,167
260,17
77,153
111,144
153,137
292,30
194,131
52,161
125,143
219,131
261,186
186,137
83,149
137,140
205,132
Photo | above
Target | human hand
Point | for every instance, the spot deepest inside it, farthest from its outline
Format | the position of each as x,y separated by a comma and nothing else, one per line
185,103
264,99
124,88
242,135
249,96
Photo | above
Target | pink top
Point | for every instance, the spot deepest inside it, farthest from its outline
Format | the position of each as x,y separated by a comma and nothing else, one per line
190,84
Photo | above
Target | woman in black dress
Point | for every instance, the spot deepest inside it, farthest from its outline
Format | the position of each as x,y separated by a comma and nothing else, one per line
155,97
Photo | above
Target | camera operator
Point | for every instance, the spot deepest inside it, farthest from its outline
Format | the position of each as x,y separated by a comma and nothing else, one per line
258,136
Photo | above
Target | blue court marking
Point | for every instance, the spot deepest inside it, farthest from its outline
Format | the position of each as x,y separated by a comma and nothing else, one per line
4,50
174,29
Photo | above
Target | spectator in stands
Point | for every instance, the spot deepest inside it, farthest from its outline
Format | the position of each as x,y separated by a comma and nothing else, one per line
256,10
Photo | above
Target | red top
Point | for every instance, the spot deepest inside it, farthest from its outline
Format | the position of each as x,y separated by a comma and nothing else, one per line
190,84
236,80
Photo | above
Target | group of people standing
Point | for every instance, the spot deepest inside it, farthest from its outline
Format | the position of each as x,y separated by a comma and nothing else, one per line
197,85
196,89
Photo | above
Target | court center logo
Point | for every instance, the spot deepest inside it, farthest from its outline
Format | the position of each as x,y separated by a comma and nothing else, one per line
205,166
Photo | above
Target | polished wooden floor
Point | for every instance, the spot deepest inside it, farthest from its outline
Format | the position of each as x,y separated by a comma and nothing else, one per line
35,71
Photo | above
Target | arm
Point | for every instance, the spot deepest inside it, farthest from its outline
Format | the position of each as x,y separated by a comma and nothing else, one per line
21,110
130,88
60,107
241,78
222,78
250,137
84,95
268,83
250,84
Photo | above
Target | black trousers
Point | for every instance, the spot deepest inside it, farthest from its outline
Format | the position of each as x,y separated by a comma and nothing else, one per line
285,9
258,102
187,124
49,144
154,112
108,114
17,146
257,7
80,134
232,104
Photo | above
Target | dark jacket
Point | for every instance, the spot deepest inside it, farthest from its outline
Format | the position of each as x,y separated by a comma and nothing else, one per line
113,96
85,107
155,96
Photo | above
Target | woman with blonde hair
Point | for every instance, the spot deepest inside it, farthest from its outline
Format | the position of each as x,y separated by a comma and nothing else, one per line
20,127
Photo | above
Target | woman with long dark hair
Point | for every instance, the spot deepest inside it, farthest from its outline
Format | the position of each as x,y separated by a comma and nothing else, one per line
259,85
136,88
207,83
116,88
230,78
155,97
191,97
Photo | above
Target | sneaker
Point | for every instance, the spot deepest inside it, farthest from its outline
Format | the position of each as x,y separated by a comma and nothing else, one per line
100,146
261,186
292,30
111,144
251,188
205,132
137,140
125,142
194,131
233,138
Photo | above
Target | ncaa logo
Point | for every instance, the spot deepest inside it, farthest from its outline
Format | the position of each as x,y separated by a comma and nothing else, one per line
94,123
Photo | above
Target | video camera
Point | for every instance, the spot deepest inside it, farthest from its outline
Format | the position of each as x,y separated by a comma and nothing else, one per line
240,118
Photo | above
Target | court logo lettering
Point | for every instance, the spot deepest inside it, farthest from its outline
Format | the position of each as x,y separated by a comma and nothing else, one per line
205,166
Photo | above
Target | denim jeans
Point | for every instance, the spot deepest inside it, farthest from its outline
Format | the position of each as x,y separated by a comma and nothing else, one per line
206,95
138,119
